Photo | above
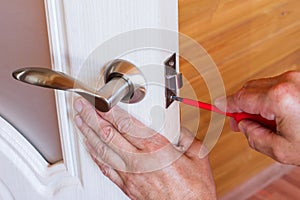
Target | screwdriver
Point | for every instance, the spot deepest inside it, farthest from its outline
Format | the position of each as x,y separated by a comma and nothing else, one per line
270,124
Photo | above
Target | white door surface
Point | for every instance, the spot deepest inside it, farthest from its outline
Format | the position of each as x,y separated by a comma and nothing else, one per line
84,36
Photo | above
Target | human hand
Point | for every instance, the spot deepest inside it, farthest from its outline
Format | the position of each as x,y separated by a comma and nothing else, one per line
273,98
140,161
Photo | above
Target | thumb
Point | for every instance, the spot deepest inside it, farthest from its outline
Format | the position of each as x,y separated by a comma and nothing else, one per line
185,140
191,146
227,104
259,138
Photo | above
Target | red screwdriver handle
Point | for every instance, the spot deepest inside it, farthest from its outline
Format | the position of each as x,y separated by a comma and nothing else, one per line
271,124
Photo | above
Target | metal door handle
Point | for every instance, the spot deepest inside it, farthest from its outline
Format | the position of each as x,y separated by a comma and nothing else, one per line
123,82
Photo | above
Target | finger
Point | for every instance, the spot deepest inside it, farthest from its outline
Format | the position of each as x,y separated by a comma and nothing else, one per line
234,125
99,149
127,140
255,97
185,140
221,104
107,171
116,152
106,132
255,101
245,100
133,130
112,174
191,145
260,83
227,105
126,123
260,138
251,100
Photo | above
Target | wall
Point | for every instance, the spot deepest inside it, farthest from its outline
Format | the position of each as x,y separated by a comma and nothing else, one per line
24,42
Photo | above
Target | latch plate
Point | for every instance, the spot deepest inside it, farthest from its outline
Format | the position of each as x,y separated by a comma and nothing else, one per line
173,80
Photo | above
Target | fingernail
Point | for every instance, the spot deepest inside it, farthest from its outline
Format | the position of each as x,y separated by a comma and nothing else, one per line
271,117
78,105
78,121
220,103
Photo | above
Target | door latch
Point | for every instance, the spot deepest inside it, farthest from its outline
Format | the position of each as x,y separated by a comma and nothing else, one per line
173,80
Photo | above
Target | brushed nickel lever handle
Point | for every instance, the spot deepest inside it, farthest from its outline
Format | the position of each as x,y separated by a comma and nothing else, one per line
123,82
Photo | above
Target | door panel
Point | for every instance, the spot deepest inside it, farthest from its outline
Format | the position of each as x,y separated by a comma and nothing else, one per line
84,36
95,33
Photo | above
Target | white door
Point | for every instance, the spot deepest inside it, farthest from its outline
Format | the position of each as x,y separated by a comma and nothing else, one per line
84,36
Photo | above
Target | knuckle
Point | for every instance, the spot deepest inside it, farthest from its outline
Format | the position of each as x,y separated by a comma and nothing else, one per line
155,142
100,150
279,89
105,171
89,114
124,124
133,164
130,186
251,143
283,93
249,83
107,134
291,75
279,154
239,96
87,132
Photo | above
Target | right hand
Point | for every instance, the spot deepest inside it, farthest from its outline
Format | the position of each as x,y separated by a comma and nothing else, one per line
276,98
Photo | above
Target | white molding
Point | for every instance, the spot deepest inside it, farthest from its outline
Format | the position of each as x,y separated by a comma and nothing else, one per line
44,178
5,193
60,62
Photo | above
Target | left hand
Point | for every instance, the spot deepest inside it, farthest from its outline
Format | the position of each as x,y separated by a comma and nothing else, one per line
140,161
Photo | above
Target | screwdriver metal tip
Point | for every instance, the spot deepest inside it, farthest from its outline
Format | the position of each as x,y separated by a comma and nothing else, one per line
175,98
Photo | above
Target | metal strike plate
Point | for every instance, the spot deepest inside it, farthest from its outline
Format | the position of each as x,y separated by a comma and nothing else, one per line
173,80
